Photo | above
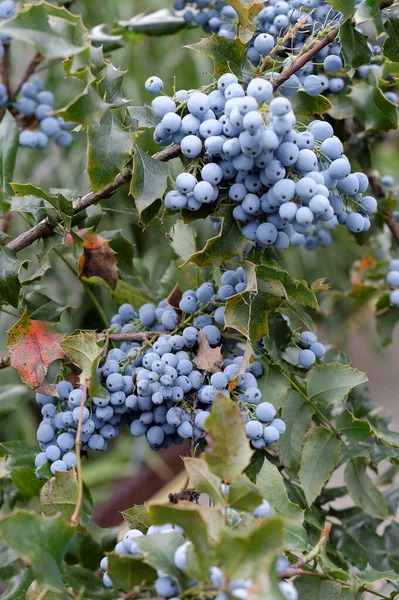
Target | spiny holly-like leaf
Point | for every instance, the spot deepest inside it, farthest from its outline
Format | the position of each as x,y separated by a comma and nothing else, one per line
248,312
203,480
331,383
161,22
190,518
229,243
183,240
207,358
369,10
10,285
229,452
86,109
41,308
108,42
137,518
58,201
83,350
247,14
297,414
363,491
143,116
373,108
356,430
354,46
318,589
311,105
390,48
128,572
149,180
98,261
371,575
33,346
320,456
40,541
243,494
54,31
9,143
228,55
346,7
110,143
270,482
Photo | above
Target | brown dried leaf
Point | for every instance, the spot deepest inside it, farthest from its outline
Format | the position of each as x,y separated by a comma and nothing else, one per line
33,346
248,353
175,296
208,359
98,260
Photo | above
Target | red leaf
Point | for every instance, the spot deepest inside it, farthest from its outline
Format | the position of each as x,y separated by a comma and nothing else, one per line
98,260
33,346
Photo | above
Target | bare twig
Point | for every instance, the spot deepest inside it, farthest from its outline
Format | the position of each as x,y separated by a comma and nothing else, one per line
303,58
126,337
31,68
45,227
79,500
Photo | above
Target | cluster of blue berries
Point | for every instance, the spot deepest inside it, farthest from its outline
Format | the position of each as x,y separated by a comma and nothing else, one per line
311,349
36,103
214,16
288,184
155,387
392,280
167,587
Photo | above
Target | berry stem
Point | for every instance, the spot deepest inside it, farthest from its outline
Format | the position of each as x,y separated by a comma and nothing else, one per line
79,500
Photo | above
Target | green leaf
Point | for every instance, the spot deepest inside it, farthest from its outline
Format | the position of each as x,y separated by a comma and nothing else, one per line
274,386
203,480
270,483
125,292
161,22
390,438
110,85
320,456
137,518
229,243
311,105
11,398
371,575
354,46
144,117
228,55
231,452
54,31
363,491
86,109
41,592
109,146
297,414
243,494
356,430
149,180
373,108
189,518
83,350
18,586
249,312
128,572
9,143
100,37
9,276
40,541
58,201
42,308
247,14
390,48
342,107
124,249
183,240
331,383
239,552
346,7
317,589
387,320
369,10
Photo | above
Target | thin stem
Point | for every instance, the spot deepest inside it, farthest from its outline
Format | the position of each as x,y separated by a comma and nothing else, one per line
86,287
370,591
79,501
45,227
